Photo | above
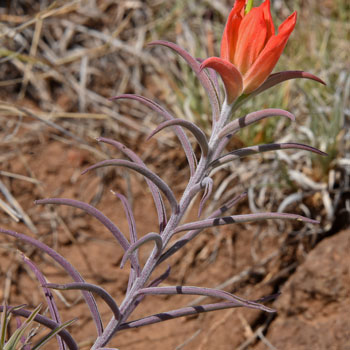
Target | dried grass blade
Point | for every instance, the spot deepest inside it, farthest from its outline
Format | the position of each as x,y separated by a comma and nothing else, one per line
11,199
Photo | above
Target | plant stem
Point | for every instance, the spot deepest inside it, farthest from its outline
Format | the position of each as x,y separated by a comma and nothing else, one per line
129,303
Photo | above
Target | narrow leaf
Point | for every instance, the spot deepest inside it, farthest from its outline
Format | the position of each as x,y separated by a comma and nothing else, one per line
48,295
129,216
69,269
193,310
195,130
210,292
203,78
149,237
235,219
158,201
189,236
172,314
178,130
208,188
133,235
98,215
161,278
145,172
253,117
154,283
243,152
186,311
91,211
107,298
280,77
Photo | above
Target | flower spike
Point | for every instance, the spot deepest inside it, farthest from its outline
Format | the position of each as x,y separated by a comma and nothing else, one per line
250,48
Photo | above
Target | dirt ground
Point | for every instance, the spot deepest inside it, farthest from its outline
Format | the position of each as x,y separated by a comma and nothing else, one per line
312,311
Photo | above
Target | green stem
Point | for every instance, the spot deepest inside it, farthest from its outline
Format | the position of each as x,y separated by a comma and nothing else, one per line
248,6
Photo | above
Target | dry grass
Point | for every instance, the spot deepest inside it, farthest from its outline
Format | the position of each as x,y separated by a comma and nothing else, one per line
62,60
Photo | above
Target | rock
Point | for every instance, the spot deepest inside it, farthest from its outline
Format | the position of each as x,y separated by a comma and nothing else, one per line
314,308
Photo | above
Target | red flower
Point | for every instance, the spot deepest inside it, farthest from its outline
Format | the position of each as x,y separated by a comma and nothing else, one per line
250,48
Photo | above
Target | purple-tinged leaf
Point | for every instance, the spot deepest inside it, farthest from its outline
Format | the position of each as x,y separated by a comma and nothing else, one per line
195,130
154,283
186,311
178,130
129,216
228,205
90,301
236,219
268,298
208,188
253,117
45,321
243,152
193,233
93,212
48,295
161,278
158,201
203,78
96,214
133,235
209,292
107,298
280,77
143,171
221,146
149,237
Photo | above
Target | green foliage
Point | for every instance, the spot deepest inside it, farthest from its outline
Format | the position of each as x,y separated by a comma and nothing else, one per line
23,334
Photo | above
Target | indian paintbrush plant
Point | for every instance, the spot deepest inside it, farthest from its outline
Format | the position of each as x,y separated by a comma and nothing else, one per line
250,48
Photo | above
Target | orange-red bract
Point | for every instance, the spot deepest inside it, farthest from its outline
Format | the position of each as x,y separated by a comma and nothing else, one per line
250,48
